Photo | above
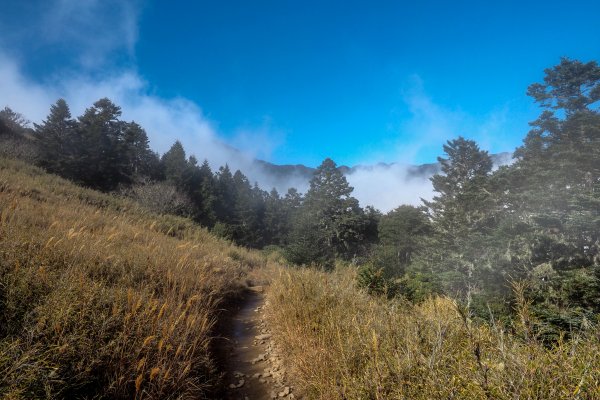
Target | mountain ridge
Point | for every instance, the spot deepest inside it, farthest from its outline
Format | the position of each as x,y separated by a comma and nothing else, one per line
292,172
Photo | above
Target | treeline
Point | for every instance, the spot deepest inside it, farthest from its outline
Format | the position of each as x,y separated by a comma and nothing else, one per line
103,152
531,228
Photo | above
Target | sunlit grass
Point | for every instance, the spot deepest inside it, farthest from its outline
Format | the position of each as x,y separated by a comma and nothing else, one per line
341,343
100,297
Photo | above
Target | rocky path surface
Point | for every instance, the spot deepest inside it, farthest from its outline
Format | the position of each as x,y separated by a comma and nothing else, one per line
254,369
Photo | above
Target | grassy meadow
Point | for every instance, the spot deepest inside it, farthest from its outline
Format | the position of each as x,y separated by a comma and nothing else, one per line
341,343
100,298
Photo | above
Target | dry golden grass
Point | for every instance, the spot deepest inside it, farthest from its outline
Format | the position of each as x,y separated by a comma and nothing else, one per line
343,344
101,298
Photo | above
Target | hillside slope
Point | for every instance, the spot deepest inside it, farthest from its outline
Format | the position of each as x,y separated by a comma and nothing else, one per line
341,343
101,298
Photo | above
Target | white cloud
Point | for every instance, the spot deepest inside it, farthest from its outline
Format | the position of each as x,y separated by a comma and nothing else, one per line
20,94
97,29
423,126
258,141
387,187
167,120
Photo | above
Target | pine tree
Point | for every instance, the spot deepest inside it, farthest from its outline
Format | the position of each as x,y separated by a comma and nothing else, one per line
208,192
175,163
402,230
462,202
462,216
12,123
555,190
277,219
141,161
55,137
330,219
100,159
225,203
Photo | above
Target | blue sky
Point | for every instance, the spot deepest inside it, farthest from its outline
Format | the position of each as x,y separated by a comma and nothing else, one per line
298,81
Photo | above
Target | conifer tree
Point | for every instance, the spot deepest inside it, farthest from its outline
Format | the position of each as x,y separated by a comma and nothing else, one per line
141,161
100,151
462,202
175,164
12,123
208,193
330,221
555,190
461,215
55,138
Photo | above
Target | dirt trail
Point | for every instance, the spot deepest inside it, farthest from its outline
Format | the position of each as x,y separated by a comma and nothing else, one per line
253,370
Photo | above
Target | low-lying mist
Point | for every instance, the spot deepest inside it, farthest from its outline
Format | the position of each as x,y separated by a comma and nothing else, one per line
384,186
180,119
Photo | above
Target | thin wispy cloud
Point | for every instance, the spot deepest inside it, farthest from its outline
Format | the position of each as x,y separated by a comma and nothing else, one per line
427,128
82,34
431,124
97,29
259,141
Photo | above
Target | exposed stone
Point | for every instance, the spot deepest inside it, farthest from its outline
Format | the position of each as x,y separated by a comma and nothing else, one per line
238,385
264,336
258,289
284,392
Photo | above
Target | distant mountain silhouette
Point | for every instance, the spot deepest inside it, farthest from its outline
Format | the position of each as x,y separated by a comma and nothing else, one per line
282,174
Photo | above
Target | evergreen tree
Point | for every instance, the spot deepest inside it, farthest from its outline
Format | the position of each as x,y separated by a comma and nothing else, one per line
208,193
226,195
100,151
402,231
245,218
555,191
292,201
462,215
55,138
462,202
330,220
141,161
277,219
175,164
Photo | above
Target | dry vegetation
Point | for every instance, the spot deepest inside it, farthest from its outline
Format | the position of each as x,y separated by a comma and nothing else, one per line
343,344
100,298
